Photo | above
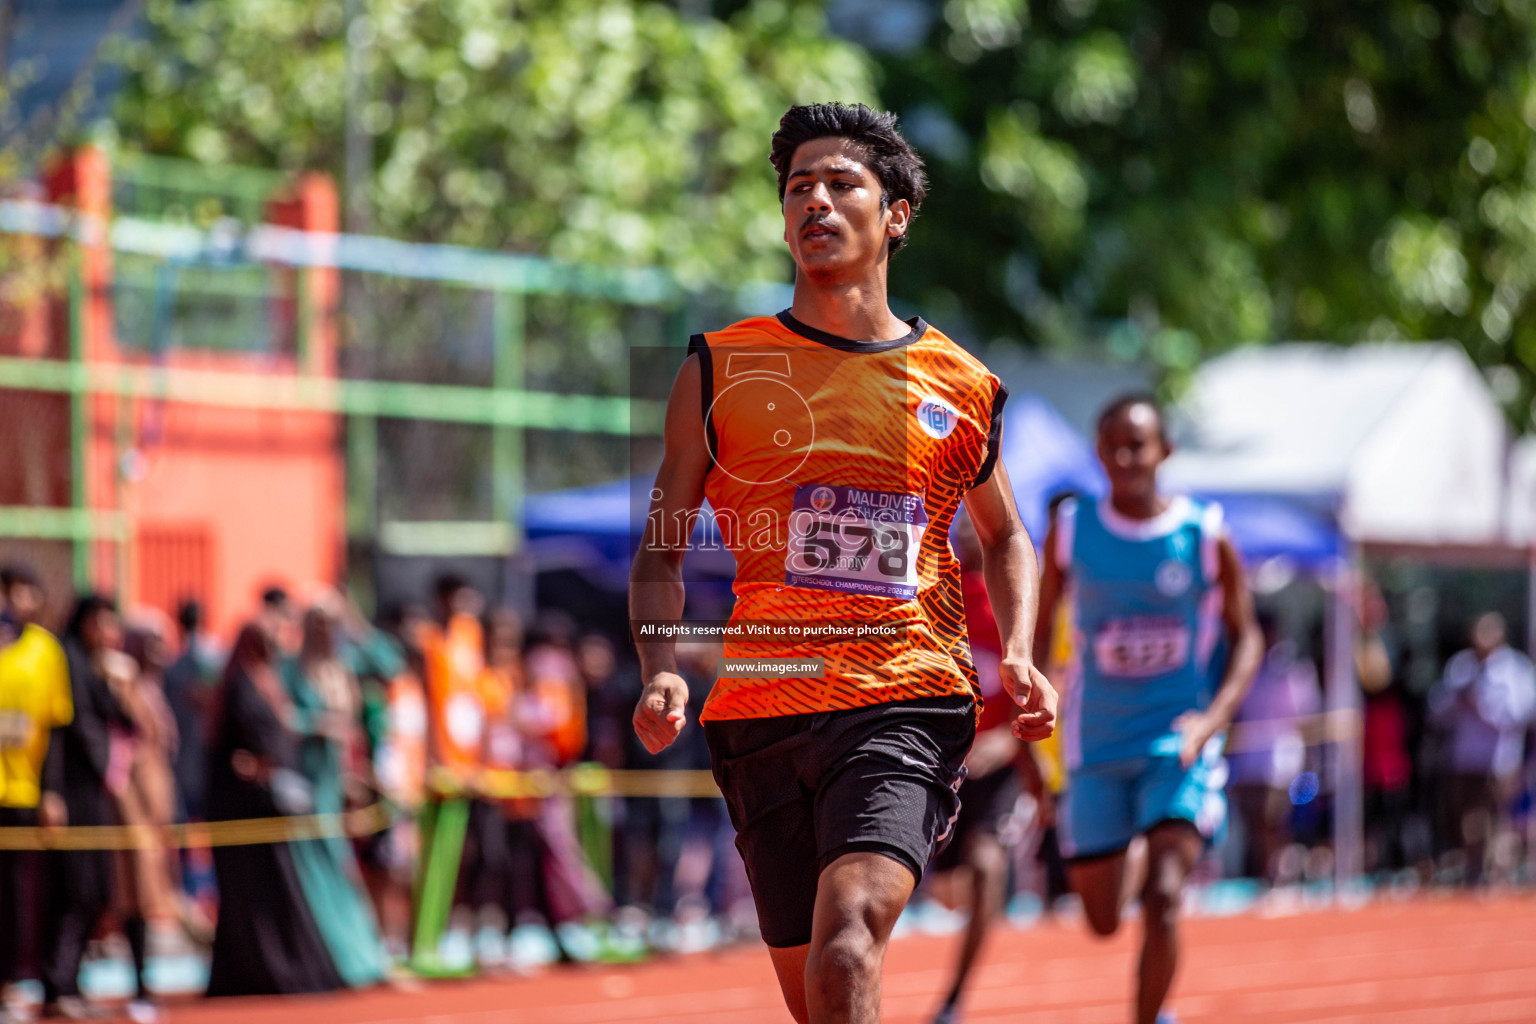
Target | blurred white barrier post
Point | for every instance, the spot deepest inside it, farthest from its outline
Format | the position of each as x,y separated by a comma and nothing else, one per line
1343,701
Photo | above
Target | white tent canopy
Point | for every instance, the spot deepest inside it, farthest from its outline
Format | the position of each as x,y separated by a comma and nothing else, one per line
1403,441
1522,521
1522,492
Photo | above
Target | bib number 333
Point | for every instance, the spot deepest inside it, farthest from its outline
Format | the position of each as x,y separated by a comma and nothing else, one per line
855,541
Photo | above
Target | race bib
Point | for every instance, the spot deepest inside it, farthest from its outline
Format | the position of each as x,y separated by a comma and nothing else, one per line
854,541
1141,648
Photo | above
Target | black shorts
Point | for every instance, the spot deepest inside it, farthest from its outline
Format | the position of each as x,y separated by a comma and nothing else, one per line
803,790
985,803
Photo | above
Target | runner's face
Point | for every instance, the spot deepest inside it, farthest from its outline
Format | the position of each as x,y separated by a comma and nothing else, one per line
833,220
1131,446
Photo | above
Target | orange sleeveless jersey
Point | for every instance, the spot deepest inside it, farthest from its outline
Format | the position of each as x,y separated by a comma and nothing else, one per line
456,724
400,763
837,469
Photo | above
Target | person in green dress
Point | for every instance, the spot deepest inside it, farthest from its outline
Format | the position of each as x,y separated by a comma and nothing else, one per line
327,716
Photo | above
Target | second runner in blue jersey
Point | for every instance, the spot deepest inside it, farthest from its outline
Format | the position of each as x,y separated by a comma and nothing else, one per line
1146,599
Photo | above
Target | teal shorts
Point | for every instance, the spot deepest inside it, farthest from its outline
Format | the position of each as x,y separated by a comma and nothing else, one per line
1106,805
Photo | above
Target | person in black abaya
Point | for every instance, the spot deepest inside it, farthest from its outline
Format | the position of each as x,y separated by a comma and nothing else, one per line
266,942
80,767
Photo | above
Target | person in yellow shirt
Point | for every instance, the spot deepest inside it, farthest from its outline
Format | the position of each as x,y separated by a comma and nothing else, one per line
34,699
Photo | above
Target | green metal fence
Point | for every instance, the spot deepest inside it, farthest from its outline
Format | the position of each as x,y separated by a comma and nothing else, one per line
466,378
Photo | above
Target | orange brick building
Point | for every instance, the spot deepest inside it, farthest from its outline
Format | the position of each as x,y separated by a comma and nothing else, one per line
161,500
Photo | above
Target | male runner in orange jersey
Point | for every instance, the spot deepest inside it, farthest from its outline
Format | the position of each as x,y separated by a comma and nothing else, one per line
835,444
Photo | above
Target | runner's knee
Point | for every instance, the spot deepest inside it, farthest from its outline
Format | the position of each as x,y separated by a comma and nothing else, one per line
1099,886
1161,895
1160,909
1103,921
988,859
849,957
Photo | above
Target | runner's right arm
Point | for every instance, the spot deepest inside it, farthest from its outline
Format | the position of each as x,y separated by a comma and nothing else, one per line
1008,560
656,592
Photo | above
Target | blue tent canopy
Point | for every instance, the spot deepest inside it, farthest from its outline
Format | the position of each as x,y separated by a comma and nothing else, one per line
606,517
1045,456
1266,526
599,527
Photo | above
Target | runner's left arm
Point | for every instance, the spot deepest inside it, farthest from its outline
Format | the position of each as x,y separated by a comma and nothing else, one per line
1247,642
1013,588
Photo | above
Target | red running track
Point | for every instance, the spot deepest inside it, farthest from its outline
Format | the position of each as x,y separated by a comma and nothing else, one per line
1460,960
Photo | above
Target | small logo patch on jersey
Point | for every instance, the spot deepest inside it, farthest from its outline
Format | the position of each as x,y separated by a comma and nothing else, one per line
937,417
1173,578
822,499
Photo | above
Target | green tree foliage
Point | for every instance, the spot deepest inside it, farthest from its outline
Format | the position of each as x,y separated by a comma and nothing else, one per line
1172,179
1159,180
596,130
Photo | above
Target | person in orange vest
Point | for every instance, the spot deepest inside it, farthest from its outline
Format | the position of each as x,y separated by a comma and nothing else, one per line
453,652
552,714
392,655
503,686
500,818
389,664
453,659
556,698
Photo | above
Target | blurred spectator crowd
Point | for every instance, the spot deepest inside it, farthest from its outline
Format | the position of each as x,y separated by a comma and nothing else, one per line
437,713
431,716
1448,776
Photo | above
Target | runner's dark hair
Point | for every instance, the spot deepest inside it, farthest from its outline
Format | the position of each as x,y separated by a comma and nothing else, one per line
1130,400
888,156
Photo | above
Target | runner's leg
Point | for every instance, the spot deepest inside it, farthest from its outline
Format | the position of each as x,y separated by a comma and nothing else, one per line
1097,823
988,862
1173,847
1100,883
858,898
789,965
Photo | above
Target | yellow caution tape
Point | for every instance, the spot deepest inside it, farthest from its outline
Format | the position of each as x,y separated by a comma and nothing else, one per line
589,780
592,780
243,832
